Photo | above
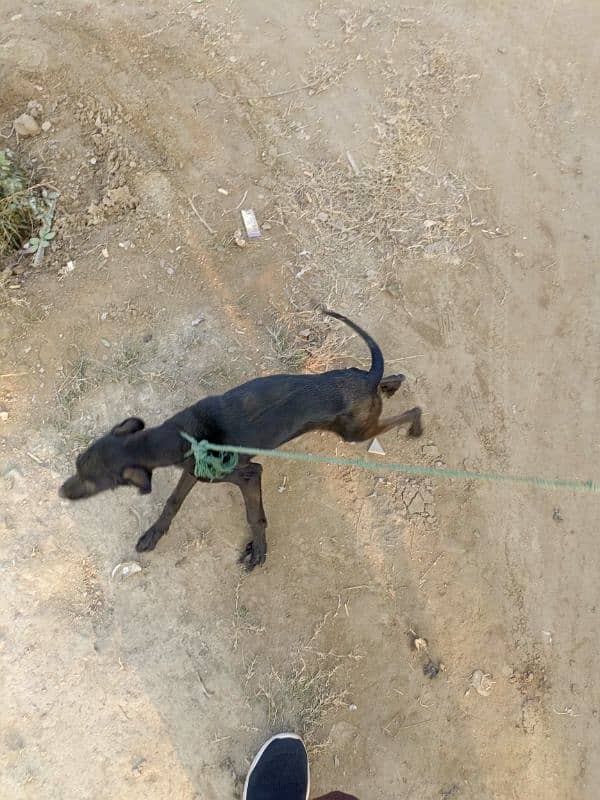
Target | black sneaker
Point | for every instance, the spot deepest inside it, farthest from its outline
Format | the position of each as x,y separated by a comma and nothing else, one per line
279,770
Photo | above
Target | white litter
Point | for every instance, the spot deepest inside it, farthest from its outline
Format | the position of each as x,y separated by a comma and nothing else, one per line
250,223
375,447
482,682
125,569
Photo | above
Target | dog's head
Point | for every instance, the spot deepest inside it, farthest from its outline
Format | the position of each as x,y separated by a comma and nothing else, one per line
106,464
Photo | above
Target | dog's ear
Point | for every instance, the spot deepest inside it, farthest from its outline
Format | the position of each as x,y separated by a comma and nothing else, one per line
140,477
130,425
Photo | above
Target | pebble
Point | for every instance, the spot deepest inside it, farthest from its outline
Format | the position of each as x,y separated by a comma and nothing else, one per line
238,238
3,414
46,125
35,109
431,669
26,125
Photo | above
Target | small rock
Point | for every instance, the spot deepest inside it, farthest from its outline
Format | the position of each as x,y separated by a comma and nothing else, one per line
137,765
238,238
119,198
352,707
105,252
267,226
26,125
35,109
3,413
431,669
197,321
46,126
322,216
420,644
220,190
304,334
482,682
106,343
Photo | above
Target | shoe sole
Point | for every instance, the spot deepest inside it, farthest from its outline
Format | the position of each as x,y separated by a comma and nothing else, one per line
262,750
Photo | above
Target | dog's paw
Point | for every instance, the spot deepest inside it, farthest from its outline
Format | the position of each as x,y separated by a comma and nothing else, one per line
149,540
254,554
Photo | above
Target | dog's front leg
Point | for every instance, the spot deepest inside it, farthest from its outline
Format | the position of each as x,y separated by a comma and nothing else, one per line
248,478
150,539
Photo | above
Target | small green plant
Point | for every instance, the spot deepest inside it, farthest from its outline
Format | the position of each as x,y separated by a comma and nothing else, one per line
43,240
26,210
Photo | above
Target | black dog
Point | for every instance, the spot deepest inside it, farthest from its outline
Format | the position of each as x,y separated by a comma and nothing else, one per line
262,413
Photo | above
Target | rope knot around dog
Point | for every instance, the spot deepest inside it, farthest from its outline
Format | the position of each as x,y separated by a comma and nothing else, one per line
209,465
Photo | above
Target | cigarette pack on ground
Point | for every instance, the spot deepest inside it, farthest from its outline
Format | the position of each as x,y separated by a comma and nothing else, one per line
250,223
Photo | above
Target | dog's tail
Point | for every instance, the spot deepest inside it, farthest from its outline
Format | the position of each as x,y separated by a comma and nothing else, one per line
376,371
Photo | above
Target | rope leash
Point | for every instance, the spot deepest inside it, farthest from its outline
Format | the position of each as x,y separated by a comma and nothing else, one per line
206,462
206,465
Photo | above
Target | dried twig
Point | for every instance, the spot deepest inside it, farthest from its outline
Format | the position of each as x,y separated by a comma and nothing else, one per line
284,91
202,220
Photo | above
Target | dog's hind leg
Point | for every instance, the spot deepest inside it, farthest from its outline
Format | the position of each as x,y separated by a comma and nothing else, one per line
150,539
411,417
248,479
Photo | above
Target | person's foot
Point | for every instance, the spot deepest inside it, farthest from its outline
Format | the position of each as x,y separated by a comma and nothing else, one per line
279,770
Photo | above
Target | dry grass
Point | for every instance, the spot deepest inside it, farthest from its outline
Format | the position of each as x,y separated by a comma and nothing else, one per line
26,208
308,685
307,341
131,362
356,223
300,698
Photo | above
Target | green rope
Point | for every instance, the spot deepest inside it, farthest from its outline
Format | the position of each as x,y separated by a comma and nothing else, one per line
410,469
206,465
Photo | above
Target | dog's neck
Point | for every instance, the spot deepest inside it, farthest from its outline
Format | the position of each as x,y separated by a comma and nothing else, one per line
156,447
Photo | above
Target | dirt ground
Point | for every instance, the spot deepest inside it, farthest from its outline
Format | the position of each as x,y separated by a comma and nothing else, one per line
461,231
